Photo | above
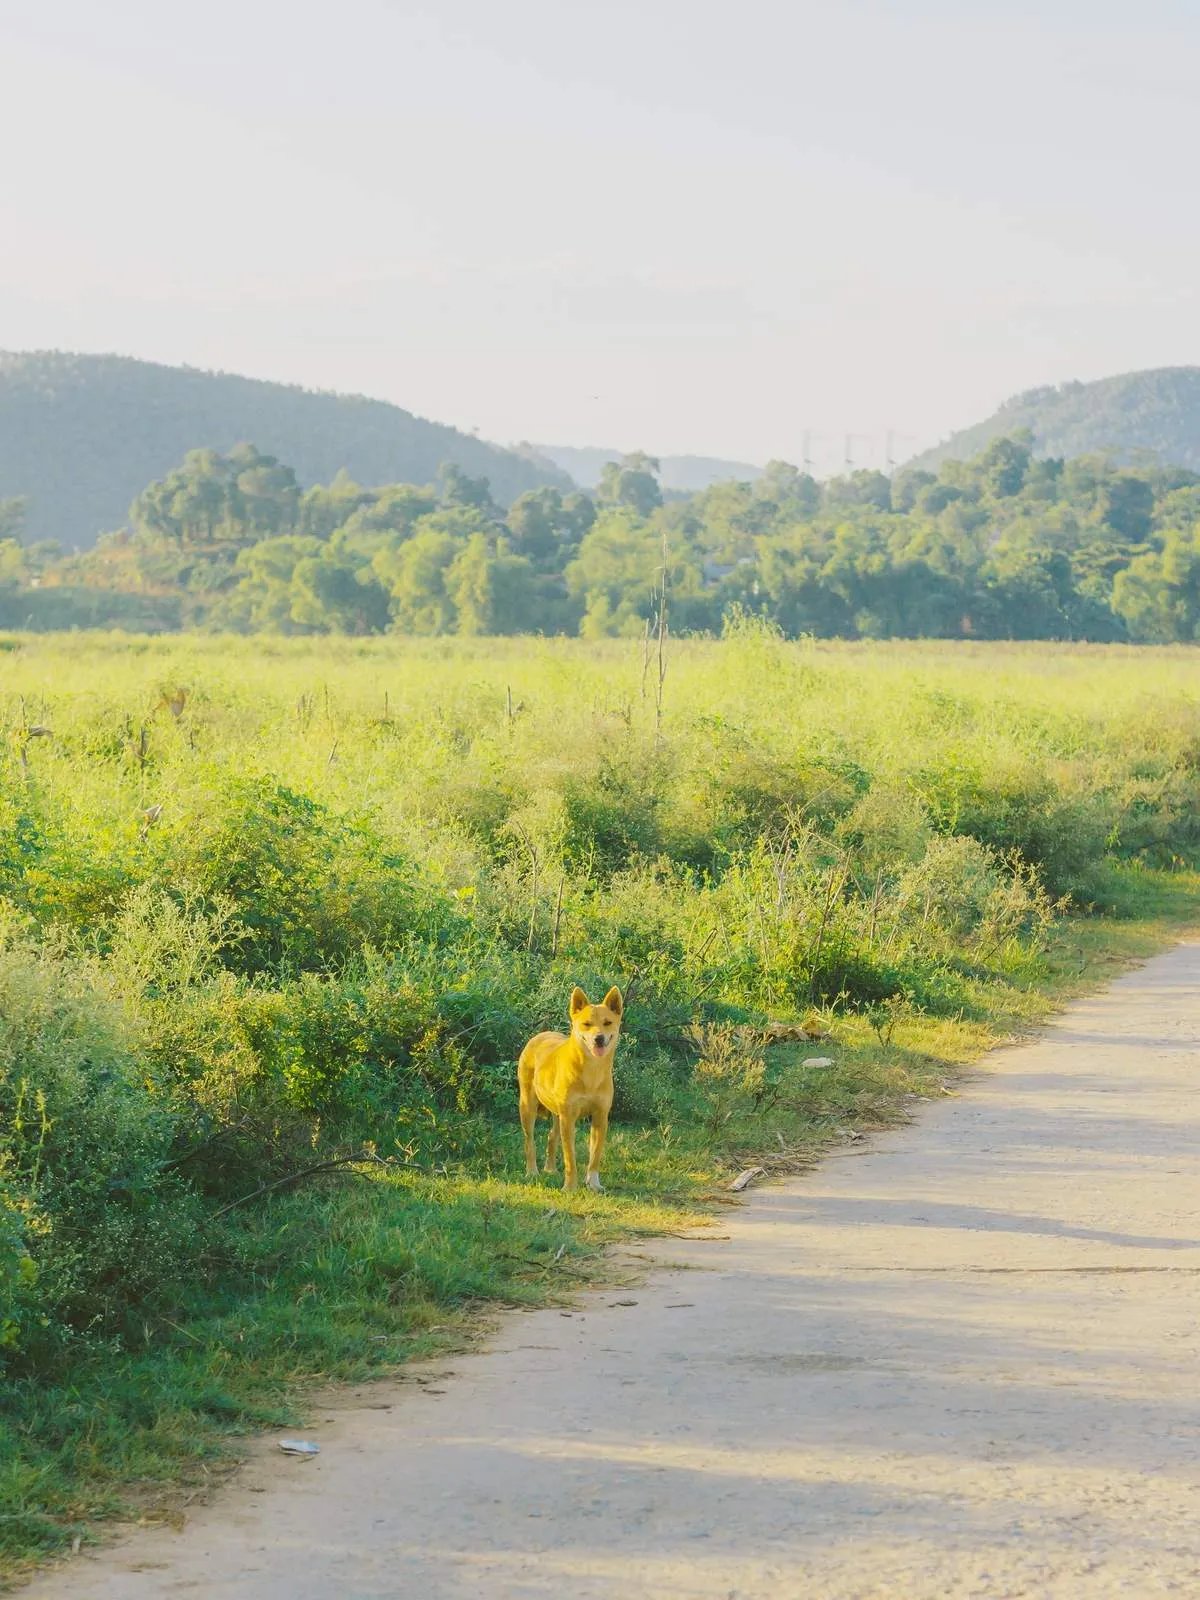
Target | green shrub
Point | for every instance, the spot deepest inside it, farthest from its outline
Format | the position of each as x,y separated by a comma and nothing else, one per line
18,1273
306,887
964,896
1062,831
85,1144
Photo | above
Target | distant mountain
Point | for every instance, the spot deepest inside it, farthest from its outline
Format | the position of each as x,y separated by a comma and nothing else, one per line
1136,415
82,435
683,473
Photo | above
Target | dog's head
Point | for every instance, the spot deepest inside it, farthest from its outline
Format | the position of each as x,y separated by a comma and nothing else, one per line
596,1027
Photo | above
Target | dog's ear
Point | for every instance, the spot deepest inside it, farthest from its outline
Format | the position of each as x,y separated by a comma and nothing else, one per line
613,1000
579,1001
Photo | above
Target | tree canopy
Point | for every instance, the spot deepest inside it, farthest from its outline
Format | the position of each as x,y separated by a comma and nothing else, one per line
1003,546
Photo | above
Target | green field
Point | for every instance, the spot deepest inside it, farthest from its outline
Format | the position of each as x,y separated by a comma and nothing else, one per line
271,904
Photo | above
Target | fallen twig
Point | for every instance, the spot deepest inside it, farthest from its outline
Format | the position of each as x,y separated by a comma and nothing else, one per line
360,1158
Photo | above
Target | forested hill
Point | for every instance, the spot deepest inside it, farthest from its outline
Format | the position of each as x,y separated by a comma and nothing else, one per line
81,435
1132,416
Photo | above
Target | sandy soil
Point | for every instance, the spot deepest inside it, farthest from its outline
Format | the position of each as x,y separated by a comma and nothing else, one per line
958,1360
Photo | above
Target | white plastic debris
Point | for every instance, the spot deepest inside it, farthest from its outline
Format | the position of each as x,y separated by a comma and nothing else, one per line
299,1447
818,1061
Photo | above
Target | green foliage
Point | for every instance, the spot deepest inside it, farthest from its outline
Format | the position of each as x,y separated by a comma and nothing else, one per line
632,482
546,526
93,1219
67,606
335,596
306,888
18,1272
13,511
1001,547
13,566
214,500
731,1075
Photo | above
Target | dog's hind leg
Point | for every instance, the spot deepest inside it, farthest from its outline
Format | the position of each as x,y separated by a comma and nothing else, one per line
529,1111
552,1144
596,1141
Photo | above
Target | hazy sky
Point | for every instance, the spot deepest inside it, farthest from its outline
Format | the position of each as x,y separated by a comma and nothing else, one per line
684,224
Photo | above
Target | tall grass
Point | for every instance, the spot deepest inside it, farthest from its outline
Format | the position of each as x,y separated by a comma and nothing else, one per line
269,907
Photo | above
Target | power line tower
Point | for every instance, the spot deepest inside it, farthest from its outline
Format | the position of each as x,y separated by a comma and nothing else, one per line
893,434
848,449
806,458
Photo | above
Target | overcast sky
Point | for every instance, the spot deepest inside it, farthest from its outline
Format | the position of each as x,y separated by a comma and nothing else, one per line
689,225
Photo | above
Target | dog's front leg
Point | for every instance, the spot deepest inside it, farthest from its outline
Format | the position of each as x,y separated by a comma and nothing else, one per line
566,1125
596,1140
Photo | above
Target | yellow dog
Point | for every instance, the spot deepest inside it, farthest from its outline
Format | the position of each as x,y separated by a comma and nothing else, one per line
568,1076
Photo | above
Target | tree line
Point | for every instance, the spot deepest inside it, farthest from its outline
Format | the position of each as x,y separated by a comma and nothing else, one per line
1005,546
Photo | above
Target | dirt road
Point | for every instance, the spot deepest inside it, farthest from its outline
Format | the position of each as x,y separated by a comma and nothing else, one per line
960,1361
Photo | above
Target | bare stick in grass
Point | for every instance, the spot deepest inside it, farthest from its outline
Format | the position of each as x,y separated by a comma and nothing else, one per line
557,917
533,863
837,882
700,993
876,898
630,991
360,1158
662,638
